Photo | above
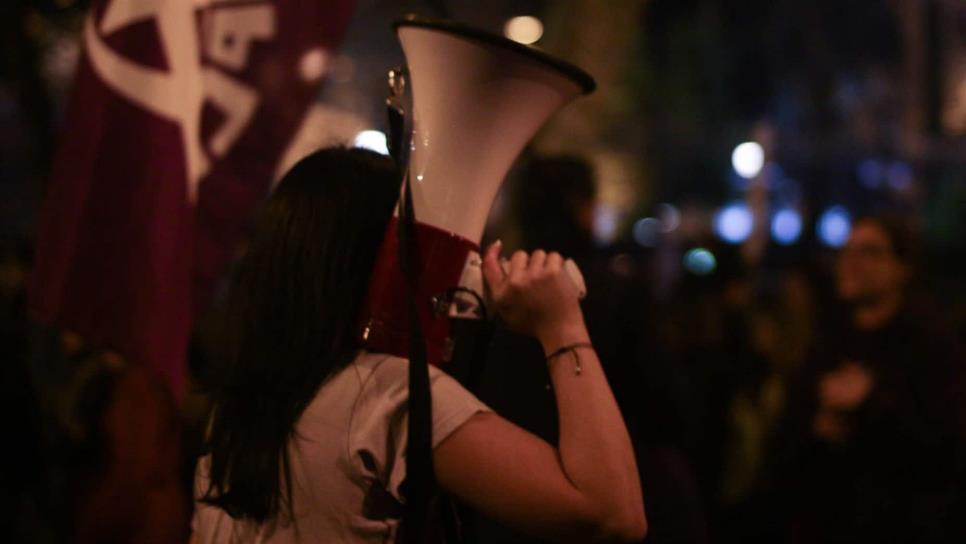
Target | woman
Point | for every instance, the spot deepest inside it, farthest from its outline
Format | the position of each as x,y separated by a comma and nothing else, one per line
308,431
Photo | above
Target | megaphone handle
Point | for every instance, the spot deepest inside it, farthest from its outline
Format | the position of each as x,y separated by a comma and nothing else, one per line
573,272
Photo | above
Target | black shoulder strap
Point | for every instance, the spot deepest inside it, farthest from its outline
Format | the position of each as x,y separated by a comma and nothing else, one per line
420,478
419,486
423,504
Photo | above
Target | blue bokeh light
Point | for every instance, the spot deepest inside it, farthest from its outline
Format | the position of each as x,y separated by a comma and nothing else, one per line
647,231
786,226
834,226
871,173
900,176
734,223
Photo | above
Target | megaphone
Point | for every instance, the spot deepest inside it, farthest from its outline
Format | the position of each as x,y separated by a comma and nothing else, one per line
477,99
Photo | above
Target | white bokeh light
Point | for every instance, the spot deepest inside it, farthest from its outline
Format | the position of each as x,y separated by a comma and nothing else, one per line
786,226
606,220
733,223
372,140
834,226
748,159
523,29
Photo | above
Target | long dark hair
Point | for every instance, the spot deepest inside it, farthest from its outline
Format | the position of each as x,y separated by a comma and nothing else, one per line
293,307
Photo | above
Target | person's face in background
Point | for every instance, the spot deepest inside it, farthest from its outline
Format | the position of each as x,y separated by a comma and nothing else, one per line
868,269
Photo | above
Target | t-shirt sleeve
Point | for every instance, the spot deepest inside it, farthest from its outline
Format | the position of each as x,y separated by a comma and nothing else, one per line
453,406
381,434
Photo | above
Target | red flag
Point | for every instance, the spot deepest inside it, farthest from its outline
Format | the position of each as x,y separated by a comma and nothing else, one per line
179,114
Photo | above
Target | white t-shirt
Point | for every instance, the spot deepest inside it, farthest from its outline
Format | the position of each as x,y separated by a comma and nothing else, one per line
347,458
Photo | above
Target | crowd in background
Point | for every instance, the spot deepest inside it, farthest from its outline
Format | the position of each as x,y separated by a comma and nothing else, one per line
812,403
815,402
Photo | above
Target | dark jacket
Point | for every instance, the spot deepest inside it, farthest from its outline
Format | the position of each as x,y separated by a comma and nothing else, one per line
899,474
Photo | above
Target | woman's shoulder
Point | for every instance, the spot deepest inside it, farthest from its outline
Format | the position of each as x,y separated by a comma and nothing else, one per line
390,370
386,378
380,374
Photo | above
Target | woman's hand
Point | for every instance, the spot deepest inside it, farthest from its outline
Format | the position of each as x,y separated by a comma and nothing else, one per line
535,296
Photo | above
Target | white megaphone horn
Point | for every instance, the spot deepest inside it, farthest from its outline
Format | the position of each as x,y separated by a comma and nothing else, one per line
477,100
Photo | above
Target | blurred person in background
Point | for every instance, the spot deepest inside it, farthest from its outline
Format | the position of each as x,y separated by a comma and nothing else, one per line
708,335
96,456
98,450
874,450
778,322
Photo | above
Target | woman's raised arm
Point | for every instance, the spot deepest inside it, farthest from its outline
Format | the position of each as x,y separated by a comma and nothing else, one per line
587,489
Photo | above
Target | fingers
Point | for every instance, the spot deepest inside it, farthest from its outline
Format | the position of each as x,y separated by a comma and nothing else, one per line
537,258
499,273
518,266
492,271
493,252
554,261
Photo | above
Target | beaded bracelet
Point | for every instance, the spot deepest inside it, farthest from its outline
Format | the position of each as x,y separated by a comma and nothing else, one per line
572,348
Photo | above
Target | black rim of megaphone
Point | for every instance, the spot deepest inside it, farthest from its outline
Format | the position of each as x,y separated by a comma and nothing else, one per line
582,78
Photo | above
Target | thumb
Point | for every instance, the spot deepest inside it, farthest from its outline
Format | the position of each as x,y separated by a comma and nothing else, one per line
492,271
